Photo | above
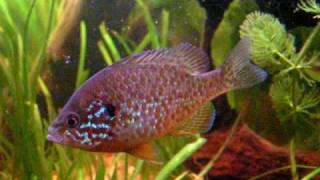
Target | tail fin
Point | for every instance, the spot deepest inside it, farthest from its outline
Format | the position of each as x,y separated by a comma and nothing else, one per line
238,71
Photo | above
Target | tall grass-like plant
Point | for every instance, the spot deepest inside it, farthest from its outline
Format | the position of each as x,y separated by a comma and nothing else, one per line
22,50
25,28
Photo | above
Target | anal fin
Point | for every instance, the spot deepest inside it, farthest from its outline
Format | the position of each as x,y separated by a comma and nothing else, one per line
201,122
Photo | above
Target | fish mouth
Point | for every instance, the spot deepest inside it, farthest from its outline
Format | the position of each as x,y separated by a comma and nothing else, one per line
55,136
58,136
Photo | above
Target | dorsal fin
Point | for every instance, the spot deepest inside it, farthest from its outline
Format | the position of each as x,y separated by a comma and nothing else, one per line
201,122
186,56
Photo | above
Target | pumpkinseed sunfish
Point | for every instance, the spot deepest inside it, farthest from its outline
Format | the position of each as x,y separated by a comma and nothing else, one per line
143,97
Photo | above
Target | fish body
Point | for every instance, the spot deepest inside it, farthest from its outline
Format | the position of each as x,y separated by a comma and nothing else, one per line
146,96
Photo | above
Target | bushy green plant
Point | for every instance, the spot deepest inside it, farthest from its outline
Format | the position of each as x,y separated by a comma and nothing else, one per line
310,6
269,40
294,88
293,71
294,93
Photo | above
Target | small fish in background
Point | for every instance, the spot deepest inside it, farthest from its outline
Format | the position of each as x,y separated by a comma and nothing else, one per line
145,96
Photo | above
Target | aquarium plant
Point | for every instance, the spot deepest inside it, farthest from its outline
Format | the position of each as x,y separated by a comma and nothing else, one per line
294,87
292,59
22,55
26,27
28,30
24,44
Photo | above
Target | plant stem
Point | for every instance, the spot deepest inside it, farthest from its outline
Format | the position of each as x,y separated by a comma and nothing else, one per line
284,58
83,47
25,49
137,170
307,44
105,54
35,71
164,28
126,167
109,42
122,41
179,158
150,24
144,42
211,163
47,95
312,174
278,170
293,163
182,175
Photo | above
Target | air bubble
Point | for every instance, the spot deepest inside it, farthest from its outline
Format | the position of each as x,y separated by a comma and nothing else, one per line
67,59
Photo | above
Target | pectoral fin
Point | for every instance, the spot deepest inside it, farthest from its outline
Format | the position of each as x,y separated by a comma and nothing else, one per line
201,122
147,152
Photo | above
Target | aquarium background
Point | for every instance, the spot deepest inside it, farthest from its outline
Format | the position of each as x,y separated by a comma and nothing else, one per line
49,48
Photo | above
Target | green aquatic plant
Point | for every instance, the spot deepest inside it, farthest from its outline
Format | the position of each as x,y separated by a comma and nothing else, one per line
22,53
24,38
229,27
179,158
294,93
82,74
268,35
312,174
25,28
273,49
310,6
294,76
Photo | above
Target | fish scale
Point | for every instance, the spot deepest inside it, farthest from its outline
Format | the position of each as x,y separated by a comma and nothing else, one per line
146,96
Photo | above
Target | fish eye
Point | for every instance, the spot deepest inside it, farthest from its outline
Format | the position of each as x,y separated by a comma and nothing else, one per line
111,110
72,120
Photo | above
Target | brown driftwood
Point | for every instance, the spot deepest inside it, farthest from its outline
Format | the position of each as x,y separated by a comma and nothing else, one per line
248,155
